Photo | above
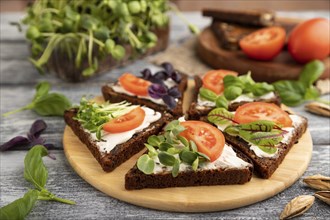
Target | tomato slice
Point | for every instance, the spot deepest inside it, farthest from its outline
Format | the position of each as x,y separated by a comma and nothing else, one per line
134,84
263,44
127,122
212,80
262,111
209,140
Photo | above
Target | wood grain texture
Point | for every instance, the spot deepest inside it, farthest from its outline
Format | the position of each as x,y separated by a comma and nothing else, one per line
17,81
281,67
187,199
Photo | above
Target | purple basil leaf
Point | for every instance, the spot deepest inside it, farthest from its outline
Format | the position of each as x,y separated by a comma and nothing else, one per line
36,129
174,92
37,141
51,156
168,68
146,74
169,101
157,91
176,76
161,75
50,146
16,141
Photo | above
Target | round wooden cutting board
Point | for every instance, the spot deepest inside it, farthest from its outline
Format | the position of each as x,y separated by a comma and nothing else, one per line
187,199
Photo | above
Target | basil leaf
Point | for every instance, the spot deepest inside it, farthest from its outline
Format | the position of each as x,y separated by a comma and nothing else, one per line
291,92
247,79
232,92
207,94
221,102
51,104
166,158
146,164
230,80
260,89
220,116
20,208
41,89
311,93
35,170
311,72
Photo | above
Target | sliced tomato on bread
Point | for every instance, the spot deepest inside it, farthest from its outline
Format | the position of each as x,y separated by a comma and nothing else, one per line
213,79
134,84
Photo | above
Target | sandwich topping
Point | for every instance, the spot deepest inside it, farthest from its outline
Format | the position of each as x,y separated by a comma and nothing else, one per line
188,145
231,89
263,125
110,124
160,88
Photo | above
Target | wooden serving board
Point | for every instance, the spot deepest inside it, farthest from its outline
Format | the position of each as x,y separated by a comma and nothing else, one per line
282,67
187,199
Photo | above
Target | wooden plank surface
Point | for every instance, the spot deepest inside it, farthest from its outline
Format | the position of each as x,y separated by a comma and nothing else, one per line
18,79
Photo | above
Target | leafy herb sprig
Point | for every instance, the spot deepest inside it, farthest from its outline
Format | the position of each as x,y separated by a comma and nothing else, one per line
93,116
45,103
36,173
170,149
234,87
296,92
262,133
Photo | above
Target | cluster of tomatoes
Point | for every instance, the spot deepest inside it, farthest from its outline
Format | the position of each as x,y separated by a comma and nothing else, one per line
308,41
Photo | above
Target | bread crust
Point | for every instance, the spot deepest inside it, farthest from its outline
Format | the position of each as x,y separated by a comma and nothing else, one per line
194,113
121,152
110,95
135,179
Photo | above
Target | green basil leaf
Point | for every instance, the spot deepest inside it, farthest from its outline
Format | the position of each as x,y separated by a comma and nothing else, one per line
220,116
166,158
311,72
259,89
221,102
35,170
188,156
176,168
42,89
232,92
207,94
247,79
20,208
230,80
291,92
52,104
311,93
146,164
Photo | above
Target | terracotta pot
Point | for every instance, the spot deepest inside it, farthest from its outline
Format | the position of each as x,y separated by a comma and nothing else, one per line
61,65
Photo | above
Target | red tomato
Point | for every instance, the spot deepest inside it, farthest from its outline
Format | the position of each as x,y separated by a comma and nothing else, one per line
263,44
262,111
126,122
310,40
134,84
212,80
209,140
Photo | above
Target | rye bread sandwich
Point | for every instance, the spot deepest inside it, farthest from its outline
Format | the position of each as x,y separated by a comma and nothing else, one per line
161,91
262,131
114,132
223,88
188,153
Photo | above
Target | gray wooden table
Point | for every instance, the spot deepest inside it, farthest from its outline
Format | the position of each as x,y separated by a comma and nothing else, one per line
18,79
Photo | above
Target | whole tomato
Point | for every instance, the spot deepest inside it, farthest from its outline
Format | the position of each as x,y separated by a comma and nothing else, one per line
310,40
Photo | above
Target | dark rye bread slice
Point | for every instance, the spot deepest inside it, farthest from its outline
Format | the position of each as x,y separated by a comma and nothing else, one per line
120,153
135,179
195,112
263,166
110,95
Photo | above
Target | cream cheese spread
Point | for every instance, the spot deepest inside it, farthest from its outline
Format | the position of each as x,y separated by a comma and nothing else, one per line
228,159
113,139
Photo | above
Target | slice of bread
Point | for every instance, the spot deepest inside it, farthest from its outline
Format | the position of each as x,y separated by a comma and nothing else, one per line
111,95
135,179
265,166
121,152
197,111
